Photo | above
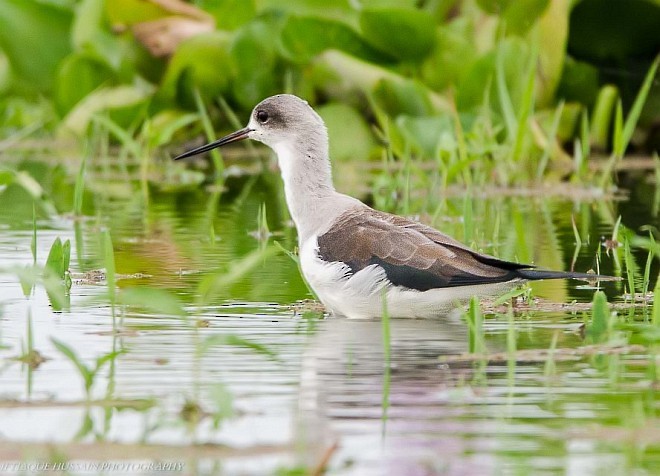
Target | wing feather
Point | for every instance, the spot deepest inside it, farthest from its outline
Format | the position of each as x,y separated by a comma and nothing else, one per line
412,254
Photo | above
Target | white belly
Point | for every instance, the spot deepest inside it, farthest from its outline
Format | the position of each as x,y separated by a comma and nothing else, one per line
366,293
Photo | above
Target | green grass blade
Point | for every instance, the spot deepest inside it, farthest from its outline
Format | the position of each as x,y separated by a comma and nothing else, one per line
656,303
70,354
636,109
79,190
216,157
504,97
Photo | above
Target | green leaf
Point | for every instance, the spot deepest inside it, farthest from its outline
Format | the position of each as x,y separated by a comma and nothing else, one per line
302,38
55,259
35,37
404,33
602,116
128,12
66,255
56,289
70,354
77,76
598,330
427,134
158,301
254,58
229,14
6,177
521,15
201,62
402,97
109,261
636,110
350,136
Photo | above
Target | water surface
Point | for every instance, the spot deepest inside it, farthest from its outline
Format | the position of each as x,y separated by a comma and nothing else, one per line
288,387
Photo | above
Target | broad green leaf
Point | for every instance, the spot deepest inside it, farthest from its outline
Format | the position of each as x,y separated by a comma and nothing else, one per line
35,38
404,33
454,54
350,136
56,289
302,38
427,134
579,82
229,14
129,12
158,301
254,58
201,62
521,15
6,177
320,8
77,77
55,259
402,97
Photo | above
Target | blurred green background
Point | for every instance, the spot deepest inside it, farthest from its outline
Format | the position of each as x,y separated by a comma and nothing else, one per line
405,66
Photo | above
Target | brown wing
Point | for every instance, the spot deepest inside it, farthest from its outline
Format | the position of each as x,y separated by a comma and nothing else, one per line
413,255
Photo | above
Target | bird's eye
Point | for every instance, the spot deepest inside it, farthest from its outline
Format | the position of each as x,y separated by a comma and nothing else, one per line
262,116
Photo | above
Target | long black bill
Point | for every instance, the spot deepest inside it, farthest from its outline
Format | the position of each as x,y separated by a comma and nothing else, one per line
233,137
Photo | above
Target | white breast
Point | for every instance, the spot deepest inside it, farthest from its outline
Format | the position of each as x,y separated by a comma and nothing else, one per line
362,295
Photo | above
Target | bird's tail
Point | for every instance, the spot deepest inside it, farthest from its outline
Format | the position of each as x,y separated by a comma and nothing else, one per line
535,274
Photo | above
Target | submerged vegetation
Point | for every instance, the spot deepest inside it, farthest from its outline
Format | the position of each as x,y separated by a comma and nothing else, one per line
167,297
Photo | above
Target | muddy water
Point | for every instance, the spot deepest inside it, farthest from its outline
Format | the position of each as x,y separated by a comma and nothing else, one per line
287,387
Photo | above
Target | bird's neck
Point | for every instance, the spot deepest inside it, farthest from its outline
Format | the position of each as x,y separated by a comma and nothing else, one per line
308,187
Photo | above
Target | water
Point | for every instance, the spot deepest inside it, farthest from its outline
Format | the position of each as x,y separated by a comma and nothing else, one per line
288,388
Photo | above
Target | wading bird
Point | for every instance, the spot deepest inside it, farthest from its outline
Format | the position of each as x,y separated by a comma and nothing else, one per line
357,259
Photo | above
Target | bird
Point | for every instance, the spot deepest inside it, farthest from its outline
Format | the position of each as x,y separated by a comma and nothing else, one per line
361,262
